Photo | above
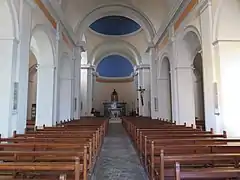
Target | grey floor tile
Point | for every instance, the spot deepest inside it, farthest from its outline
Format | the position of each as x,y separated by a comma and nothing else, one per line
118,159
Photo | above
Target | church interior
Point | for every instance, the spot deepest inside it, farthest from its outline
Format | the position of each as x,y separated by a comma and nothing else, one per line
120,90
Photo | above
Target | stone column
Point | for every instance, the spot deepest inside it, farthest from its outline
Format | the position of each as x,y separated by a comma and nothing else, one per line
186,107
66,87
45,95
8,95
77,79
212,118
23,64
86,89
153,82
228,55
56,115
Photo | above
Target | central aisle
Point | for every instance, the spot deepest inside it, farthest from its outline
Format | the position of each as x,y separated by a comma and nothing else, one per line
118,159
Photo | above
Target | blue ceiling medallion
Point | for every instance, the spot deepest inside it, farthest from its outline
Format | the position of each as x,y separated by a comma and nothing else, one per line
115,26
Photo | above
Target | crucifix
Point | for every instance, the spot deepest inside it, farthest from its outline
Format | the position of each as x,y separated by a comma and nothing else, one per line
141,94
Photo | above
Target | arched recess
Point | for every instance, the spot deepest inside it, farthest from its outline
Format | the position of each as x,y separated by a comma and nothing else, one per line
188,47
115,46
8,57
65,87
41,46
119,10
198,91
32,86
227,54
164,90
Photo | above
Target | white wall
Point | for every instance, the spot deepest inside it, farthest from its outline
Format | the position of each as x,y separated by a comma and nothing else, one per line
102,93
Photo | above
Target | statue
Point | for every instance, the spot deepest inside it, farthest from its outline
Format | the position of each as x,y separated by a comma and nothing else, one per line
114,96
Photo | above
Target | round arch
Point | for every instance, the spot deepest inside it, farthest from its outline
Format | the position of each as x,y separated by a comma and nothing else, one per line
120,46
164,87
120,10
222,27
43,49
189,46
9,25
42,45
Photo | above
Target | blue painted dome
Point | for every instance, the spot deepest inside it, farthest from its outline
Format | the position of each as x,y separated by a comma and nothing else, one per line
115,66
115,25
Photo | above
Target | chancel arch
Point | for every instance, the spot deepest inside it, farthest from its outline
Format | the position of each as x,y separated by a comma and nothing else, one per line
164,89
112,76
43,50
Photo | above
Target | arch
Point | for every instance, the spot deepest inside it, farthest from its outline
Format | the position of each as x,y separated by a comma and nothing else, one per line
117,47
164,88
162,56
42,45
120,10
32,84
225,21
43,49
9,25
199,91
189,45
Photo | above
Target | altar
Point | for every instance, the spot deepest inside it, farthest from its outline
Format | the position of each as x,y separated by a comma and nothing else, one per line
114,109
120,107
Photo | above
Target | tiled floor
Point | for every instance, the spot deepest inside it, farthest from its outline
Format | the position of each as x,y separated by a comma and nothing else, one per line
118,159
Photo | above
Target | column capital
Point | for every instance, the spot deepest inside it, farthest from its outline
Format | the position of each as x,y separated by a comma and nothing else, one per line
45,66
142,66
184,68
87,66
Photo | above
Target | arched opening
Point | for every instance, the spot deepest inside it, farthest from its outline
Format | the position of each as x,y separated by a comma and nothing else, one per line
198,91
188,48
114,72
42,49
32,92
164,86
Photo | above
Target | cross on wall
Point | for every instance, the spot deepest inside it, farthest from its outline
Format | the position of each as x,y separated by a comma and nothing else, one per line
141,90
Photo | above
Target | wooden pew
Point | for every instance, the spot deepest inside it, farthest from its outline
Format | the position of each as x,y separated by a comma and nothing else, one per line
153,136
50,148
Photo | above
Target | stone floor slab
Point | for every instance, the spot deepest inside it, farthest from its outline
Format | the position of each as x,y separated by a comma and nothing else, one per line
118,159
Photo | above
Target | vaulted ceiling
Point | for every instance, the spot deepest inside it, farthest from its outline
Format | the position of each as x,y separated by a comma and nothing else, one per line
82,13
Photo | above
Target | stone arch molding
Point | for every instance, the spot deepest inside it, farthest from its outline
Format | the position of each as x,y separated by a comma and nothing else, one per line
161,56
116,9
119,47
42,45
10,28
189,45
225,21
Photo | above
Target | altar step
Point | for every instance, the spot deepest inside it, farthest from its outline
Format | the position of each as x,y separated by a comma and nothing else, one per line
115,120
